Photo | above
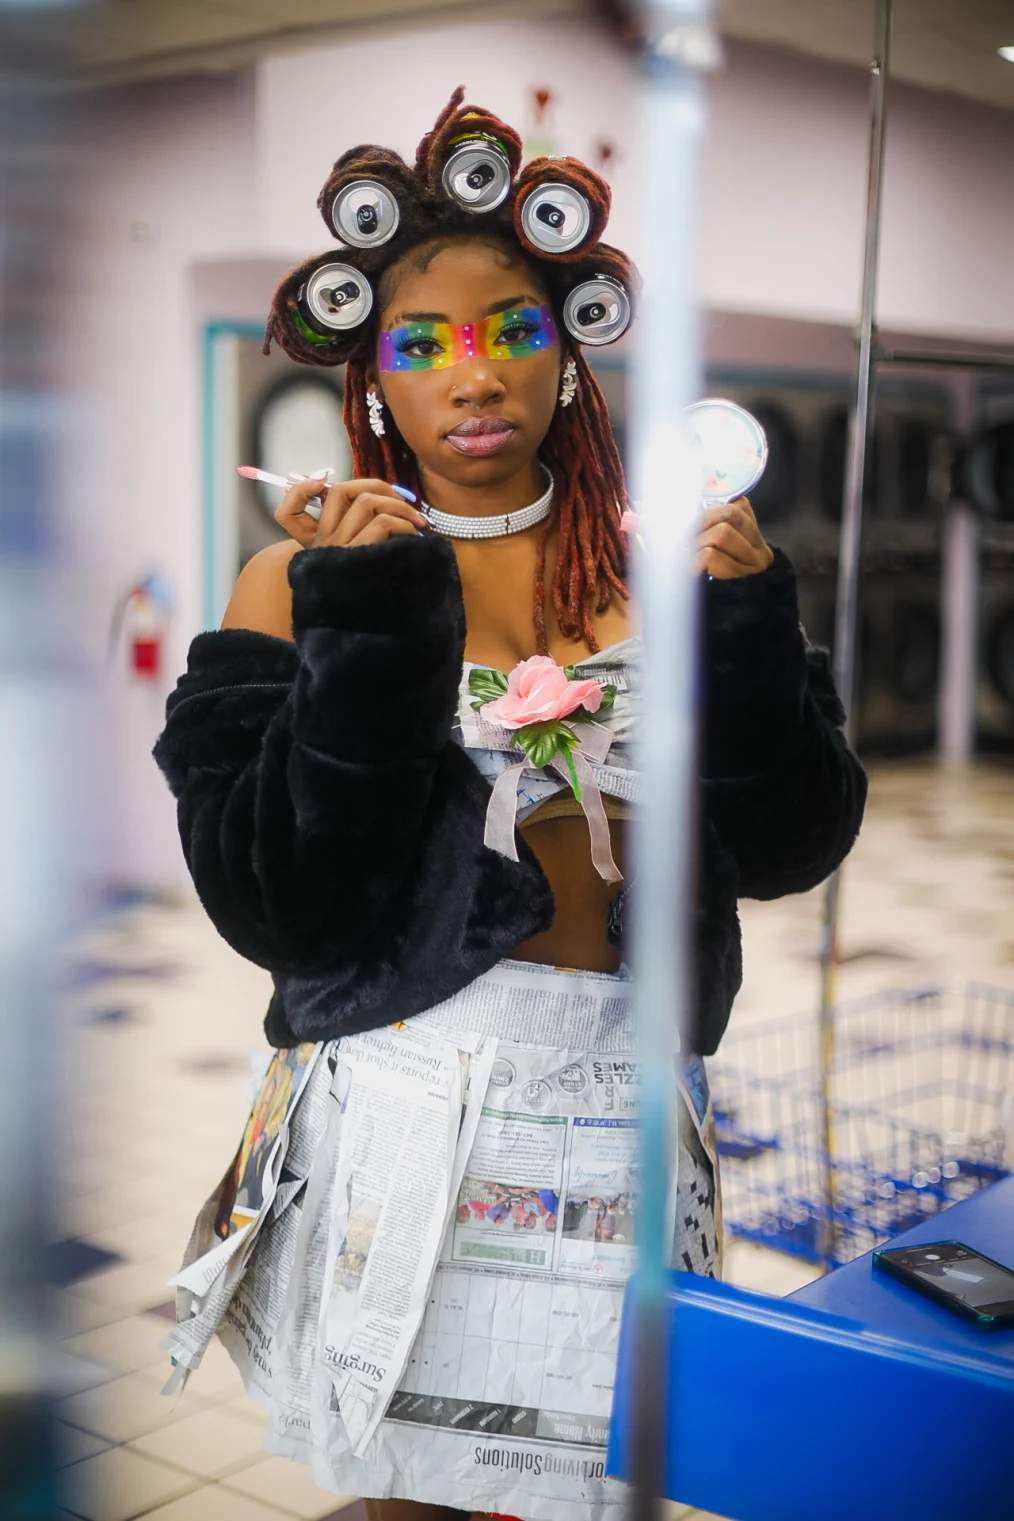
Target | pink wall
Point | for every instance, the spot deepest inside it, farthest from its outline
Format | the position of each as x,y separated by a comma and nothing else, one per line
178,158
784,201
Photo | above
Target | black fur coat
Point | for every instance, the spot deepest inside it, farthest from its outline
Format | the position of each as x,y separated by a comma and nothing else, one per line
334,830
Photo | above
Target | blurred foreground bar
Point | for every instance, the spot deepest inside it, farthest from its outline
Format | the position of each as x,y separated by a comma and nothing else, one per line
35,684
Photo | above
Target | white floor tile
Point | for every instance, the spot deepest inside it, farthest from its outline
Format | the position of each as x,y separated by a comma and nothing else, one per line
128,1344
765,1272
216,1380
72,1445
216,1504
127,1407
131,1286
287,1485
248,1410
119,1484
71,1373
209,1443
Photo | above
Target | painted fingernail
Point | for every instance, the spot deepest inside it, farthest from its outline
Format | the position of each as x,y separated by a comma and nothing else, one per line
403,491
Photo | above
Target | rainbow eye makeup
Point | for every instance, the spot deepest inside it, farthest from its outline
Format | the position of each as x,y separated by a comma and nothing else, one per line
516,334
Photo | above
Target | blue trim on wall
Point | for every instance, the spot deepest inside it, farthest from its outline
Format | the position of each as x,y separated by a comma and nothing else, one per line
209,537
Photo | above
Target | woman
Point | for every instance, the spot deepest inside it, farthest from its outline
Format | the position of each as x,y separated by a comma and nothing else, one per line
455,617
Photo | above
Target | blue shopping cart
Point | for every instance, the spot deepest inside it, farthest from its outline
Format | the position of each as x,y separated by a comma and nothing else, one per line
921,1105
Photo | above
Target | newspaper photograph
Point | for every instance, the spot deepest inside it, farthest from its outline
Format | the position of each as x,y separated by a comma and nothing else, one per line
597,1231
509,1198
283,1083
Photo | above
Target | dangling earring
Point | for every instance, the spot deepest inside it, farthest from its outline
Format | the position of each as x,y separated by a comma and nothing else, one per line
568,386
376,410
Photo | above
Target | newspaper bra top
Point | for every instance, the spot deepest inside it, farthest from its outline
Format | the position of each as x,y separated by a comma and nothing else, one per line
542,791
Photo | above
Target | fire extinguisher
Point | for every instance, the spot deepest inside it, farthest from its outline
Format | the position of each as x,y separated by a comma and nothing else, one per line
142,619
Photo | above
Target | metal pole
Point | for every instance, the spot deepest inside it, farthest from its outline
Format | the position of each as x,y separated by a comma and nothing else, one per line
848,582
664,379
956,708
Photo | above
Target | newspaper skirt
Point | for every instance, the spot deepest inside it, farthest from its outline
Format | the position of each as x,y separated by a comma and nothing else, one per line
417,1258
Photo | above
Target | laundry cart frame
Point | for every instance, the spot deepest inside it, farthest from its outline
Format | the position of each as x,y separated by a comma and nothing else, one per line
921,1102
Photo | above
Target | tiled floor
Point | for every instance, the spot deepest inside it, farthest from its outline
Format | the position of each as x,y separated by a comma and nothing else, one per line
150,1126
161,1016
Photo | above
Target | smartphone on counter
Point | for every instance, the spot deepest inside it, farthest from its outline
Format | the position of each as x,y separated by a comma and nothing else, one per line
955,1276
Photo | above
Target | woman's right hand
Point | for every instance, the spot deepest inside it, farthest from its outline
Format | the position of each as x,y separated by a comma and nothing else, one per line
354,513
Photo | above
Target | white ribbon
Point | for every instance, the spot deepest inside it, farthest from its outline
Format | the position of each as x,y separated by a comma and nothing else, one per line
501,815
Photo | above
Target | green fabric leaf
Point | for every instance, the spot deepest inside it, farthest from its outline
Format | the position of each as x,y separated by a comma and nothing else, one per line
487,685
544,747
542,741
575,784
608,697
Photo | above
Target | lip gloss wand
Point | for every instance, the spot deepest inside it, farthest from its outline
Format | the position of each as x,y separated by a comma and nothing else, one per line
312,509
251,473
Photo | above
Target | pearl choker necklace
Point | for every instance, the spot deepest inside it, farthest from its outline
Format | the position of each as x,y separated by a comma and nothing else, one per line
456,525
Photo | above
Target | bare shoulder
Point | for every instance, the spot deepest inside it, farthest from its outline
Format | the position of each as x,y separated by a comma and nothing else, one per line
261,599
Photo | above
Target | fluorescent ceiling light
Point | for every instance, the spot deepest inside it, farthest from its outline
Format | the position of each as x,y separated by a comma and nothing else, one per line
1007,53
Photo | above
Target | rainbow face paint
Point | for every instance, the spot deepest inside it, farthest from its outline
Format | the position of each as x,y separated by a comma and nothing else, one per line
516,334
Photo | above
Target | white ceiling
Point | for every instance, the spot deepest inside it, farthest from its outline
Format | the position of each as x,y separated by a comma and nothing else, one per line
942,44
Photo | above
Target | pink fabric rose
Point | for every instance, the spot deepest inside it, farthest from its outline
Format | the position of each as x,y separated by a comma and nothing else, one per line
537,691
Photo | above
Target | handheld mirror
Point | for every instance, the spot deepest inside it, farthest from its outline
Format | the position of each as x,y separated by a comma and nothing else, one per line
731,448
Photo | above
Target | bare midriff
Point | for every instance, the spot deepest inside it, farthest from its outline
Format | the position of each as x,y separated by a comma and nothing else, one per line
577,937
496,576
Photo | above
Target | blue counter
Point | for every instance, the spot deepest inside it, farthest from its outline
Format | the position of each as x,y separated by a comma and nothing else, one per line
853,1400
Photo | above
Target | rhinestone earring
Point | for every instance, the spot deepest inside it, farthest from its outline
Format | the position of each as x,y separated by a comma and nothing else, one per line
568,386
376,410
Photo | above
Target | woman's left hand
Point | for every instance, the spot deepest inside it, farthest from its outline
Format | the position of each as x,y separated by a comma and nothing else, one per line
730,543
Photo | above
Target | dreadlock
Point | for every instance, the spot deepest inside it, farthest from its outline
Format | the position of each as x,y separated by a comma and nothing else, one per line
590,496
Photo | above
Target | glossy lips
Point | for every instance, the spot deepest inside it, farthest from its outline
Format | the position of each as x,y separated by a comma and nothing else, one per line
480,436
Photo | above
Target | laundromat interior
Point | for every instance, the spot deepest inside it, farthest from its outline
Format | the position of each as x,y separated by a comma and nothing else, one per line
163,180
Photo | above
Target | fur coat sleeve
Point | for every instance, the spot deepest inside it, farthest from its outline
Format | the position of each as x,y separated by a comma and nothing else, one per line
303,774
781,787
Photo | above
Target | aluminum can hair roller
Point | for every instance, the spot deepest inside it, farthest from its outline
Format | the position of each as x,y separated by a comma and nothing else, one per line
365,214
597,311
731,449
555,218
477,175
334,299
